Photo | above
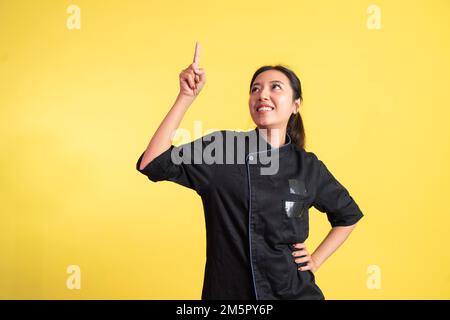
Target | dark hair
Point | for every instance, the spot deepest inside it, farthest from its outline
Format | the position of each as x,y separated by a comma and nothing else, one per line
294,127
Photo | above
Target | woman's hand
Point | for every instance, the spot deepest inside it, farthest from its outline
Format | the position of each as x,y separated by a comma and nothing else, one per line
301,256
192,79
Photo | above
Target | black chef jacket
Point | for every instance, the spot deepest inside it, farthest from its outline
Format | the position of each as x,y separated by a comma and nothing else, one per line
251,218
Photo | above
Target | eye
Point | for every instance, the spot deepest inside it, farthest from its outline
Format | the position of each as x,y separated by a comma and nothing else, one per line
273,86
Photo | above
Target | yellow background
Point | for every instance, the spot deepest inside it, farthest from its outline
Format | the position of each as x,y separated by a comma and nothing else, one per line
78,107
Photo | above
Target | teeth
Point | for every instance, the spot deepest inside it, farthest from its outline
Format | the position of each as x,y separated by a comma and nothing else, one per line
264,109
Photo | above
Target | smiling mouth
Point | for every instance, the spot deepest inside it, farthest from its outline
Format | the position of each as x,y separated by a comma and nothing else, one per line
264,108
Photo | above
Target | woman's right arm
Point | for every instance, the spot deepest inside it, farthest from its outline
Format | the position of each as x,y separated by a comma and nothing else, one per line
192,80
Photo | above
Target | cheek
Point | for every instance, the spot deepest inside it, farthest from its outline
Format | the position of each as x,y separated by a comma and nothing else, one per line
283,104
282,98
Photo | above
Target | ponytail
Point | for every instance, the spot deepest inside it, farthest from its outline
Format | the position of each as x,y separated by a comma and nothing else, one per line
296,130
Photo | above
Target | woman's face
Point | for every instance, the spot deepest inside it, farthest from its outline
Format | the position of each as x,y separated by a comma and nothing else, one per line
271,103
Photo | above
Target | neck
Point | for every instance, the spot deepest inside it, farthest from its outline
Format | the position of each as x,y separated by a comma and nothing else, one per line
276,137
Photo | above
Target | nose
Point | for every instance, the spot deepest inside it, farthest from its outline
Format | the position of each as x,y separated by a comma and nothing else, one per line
264,95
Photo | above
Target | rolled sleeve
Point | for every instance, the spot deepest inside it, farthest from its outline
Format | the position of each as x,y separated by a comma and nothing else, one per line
157,169
334,199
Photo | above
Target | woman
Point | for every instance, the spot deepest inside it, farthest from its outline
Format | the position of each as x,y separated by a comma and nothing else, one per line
256,192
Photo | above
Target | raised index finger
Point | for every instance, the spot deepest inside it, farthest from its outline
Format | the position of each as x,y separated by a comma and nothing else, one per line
197,54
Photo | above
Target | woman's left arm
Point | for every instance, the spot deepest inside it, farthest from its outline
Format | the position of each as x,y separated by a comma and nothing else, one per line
332,241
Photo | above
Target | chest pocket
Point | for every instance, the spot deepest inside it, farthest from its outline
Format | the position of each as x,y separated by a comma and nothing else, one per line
295,212
295,216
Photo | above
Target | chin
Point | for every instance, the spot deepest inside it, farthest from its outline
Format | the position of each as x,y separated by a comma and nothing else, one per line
265,125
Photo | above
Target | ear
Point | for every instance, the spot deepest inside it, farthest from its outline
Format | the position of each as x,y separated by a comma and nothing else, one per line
297,104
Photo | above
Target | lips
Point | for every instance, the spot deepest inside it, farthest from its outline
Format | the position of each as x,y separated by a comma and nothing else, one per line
264,108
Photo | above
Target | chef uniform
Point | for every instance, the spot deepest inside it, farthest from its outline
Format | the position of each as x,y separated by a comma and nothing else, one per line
252,218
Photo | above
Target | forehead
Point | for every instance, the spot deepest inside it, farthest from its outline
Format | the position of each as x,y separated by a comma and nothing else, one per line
271,75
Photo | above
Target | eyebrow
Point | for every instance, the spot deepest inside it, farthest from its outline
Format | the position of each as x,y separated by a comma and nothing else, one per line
278,81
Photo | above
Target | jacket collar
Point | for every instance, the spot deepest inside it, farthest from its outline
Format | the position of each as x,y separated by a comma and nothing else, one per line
268,146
